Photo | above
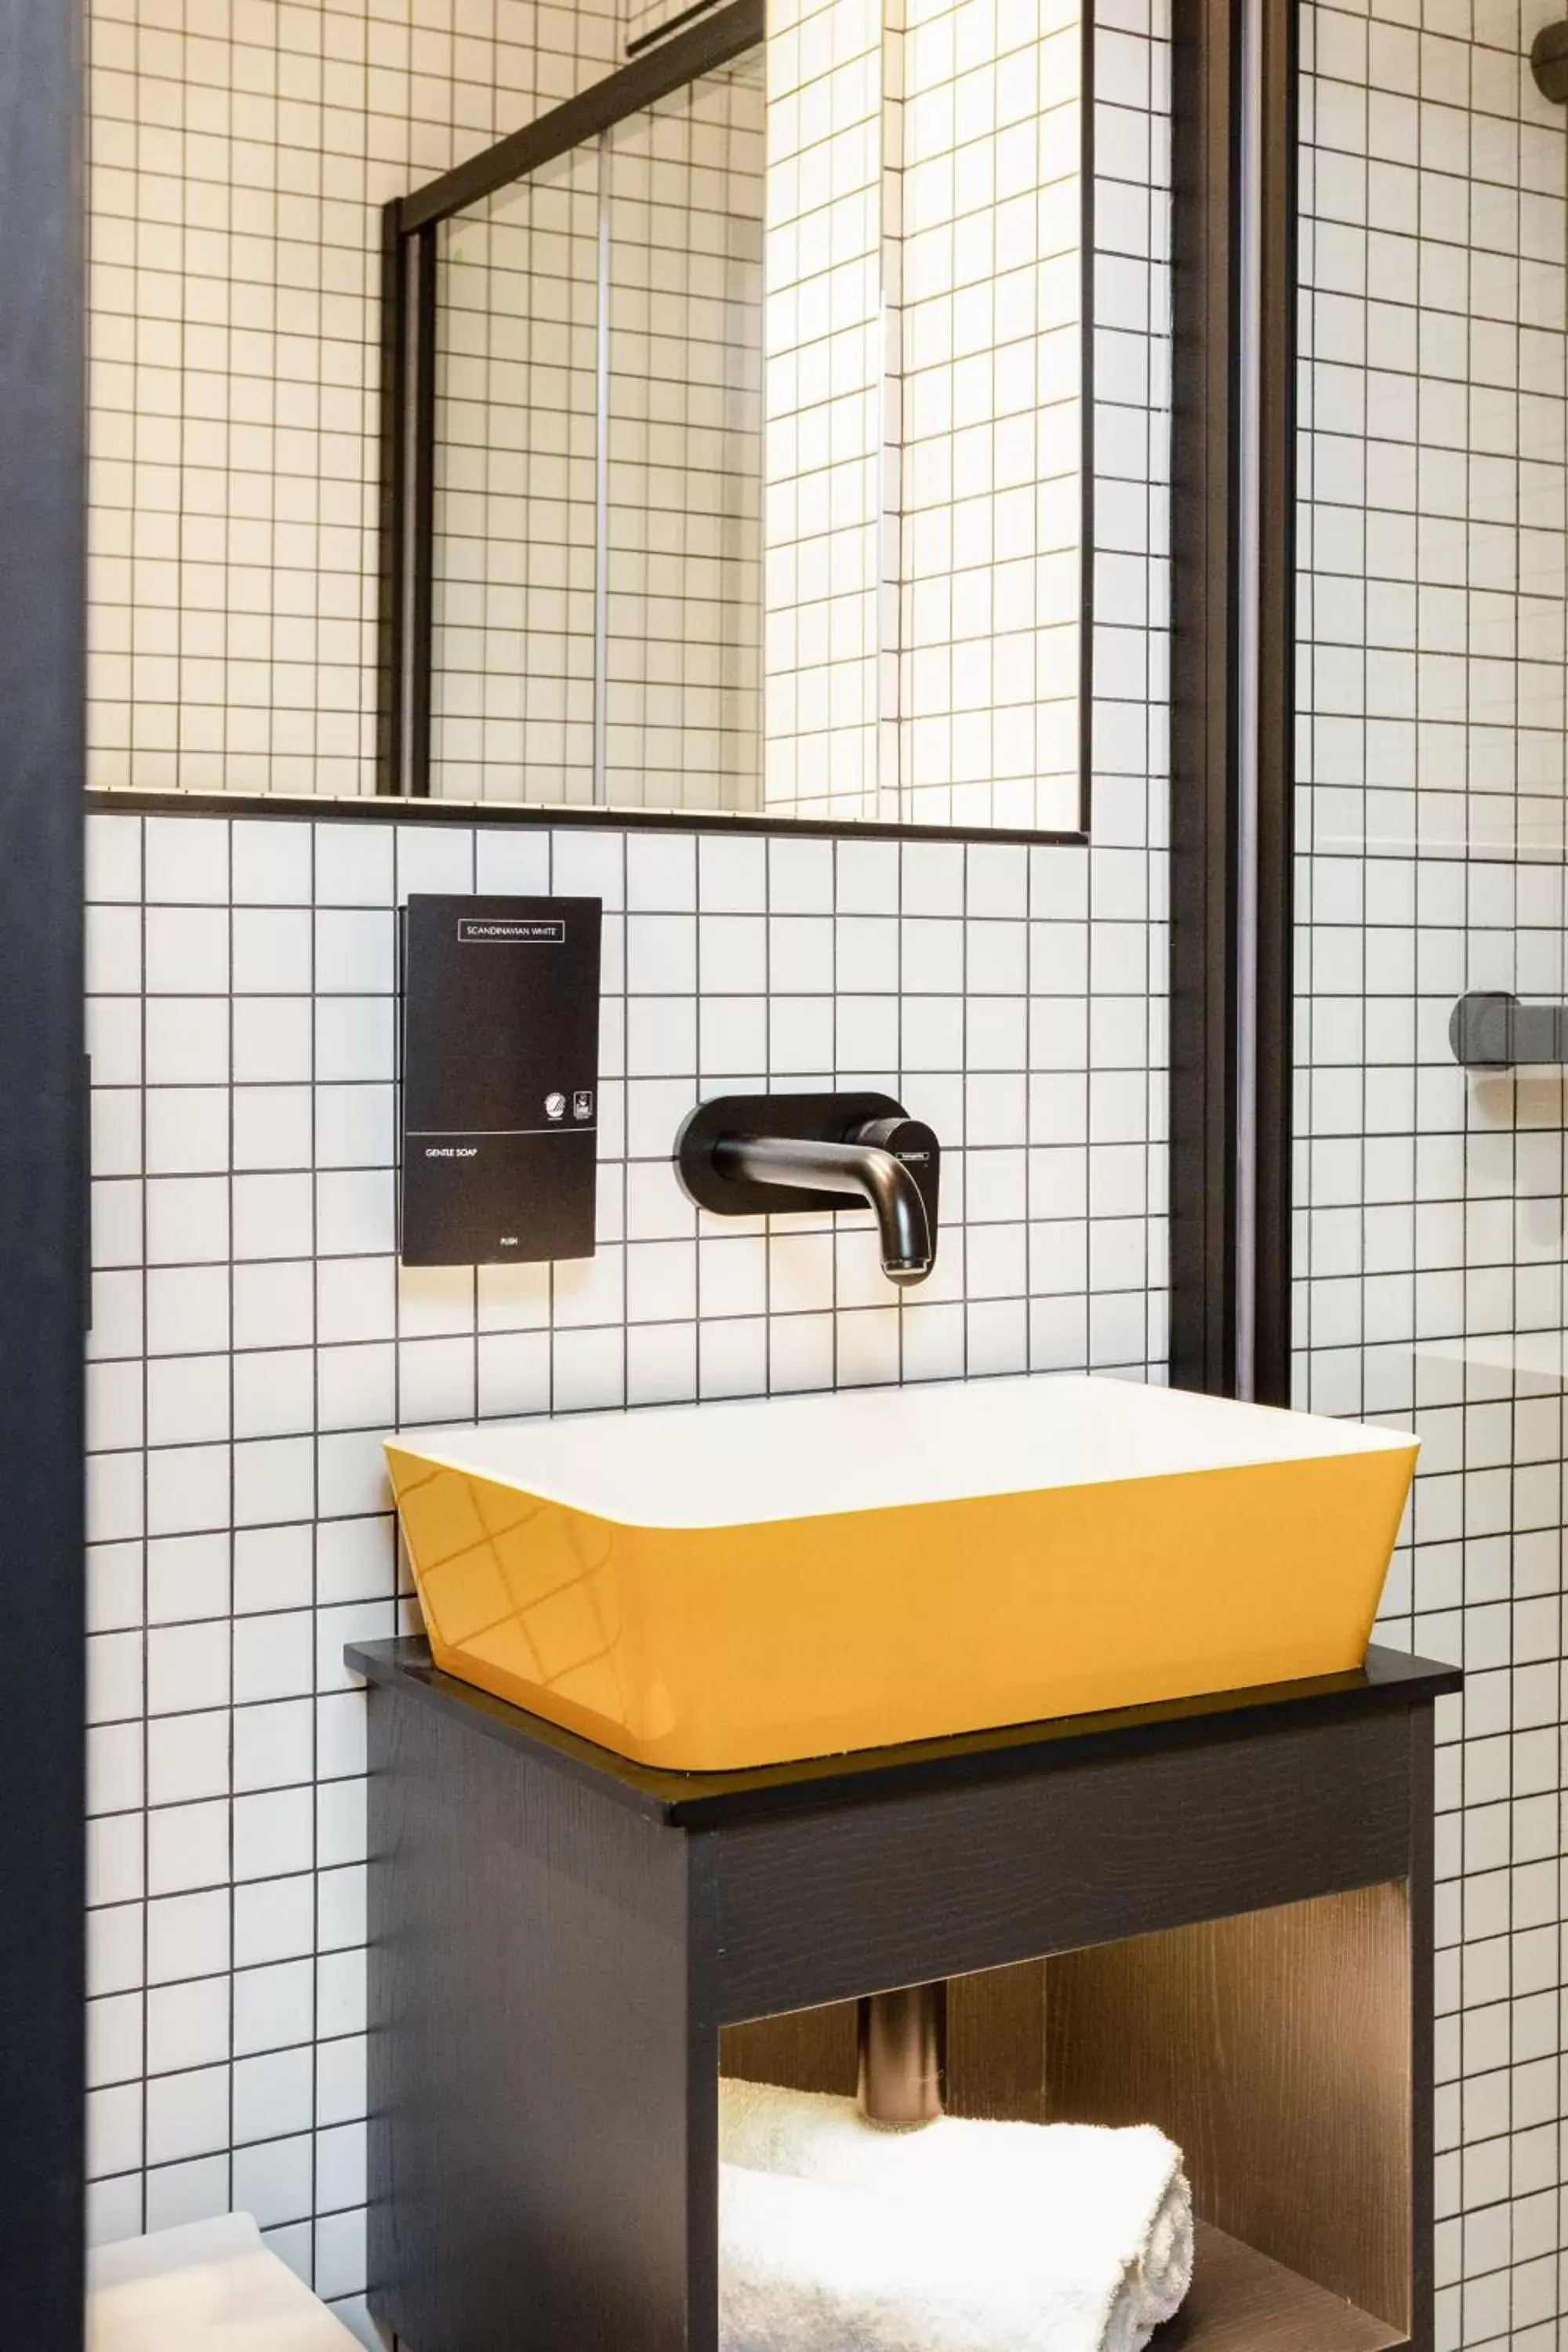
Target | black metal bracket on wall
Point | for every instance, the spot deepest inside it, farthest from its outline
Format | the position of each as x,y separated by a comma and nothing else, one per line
1233,693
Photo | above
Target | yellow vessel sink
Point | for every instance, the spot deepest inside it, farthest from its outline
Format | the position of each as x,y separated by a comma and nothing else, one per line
709,1587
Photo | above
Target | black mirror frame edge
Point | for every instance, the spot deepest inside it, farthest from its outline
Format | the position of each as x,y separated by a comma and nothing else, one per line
409,270
43,1829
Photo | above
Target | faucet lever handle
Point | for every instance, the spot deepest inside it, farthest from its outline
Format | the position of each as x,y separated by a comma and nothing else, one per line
914,1145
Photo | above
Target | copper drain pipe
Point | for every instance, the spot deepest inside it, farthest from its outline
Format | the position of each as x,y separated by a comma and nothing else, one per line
903,2056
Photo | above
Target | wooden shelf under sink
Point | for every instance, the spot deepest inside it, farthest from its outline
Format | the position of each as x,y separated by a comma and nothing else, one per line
1241,2302
1273,2046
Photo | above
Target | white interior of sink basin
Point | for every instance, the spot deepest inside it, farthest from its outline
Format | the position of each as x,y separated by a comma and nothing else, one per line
760,1458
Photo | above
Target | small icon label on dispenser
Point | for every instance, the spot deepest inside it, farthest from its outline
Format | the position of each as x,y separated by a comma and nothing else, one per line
583,1103
554,1106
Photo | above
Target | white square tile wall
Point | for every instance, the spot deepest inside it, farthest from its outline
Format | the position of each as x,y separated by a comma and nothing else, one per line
1434,629
253,1339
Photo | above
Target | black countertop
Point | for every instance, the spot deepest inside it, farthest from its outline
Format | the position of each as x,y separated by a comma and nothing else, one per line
704,1800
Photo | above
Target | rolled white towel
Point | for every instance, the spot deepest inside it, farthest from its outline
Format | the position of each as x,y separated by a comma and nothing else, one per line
1105,2214
805,2267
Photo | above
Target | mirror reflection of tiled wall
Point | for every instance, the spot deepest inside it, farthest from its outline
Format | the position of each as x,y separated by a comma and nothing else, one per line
597,613
830,299
915,538
923,553
513,608
238,171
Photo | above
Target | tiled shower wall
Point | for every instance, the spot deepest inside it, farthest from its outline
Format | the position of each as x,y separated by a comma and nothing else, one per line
253,1339
1430,1225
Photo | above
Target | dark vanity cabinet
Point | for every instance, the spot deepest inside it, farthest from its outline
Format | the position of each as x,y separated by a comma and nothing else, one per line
1215,1915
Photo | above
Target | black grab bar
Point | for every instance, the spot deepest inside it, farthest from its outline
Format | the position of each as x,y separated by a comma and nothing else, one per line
1491,1031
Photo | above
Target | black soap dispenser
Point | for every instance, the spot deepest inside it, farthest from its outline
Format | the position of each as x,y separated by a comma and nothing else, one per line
500,1080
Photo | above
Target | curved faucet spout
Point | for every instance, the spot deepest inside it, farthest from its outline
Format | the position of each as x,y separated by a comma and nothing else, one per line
778,1155
863,1168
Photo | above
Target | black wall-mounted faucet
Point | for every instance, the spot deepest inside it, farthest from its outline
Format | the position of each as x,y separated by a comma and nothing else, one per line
766,1155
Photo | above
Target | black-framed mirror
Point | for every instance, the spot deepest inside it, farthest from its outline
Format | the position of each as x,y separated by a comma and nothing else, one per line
740,446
